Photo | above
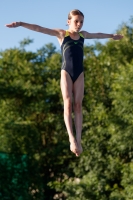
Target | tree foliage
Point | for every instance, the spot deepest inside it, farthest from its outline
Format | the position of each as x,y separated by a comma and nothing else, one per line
35,158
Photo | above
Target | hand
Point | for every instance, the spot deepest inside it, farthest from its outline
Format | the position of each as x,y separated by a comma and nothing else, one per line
117,37
13,25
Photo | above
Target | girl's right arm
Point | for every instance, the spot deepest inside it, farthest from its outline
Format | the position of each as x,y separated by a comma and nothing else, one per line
59,33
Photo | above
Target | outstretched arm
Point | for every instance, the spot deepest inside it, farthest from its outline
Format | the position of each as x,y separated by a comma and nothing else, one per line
34,27
101,35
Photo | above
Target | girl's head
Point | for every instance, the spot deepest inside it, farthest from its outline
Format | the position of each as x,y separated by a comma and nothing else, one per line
75,12
75,20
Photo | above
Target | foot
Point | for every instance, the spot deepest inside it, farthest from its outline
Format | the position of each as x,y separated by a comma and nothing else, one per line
80,147
78,140
74,147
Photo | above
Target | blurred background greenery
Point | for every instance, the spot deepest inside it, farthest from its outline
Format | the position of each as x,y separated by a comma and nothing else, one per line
35,160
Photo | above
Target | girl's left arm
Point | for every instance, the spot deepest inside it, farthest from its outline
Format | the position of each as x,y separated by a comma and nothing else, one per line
88,35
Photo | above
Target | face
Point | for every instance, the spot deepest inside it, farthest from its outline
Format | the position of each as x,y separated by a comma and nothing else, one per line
76,22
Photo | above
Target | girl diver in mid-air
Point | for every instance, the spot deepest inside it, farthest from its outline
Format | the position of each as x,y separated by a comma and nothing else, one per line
72,71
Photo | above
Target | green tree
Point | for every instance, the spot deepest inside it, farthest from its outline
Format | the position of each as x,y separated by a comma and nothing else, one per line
104,170
38,163
32,125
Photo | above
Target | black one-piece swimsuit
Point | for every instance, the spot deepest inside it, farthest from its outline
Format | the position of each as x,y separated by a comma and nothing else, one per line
72,56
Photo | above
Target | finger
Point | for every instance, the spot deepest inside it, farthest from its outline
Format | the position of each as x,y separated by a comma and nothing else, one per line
8,25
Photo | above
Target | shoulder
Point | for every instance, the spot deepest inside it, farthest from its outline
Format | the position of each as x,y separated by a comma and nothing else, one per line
86,34
60,35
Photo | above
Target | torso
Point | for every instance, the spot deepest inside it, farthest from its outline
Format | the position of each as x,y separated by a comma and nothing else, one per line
72,55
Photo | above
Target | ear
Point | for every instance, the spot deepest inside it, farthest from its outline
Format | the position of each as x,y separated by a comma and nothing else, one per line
68,21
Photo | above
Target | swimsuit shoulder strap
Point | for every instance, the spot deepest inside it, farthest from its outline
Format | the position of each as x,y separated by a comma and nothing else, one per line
81,35
67,33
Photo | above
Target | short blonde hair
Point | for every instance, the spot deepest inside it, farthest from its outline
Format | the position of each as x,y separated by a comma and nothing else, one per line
75,12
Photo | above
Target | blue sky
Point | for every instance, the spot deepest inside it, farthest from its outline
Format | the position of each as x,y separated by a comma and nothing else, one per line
100,16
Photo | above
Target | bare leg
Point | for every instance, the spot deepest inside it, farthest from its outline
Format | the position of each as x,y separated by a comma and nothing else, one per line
78,97
67,92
